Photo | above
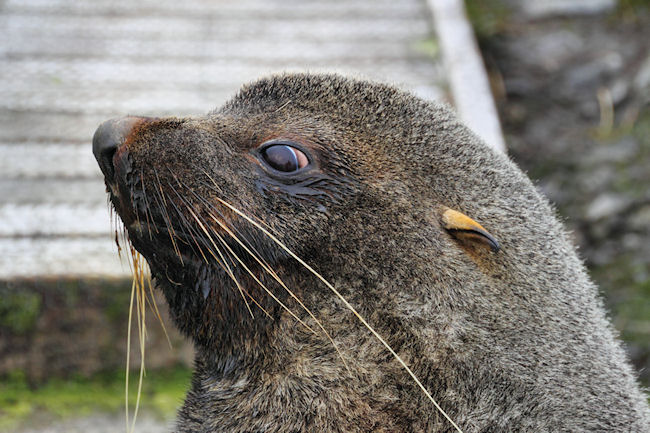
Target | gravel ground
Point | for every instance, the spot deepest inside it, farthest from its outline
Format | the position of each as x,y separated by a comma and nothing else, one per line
573,89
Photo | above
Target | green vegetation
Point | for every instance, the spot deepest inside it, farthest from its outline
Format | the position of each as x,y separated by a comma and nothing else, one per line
629,303
627,278
162,394
115,303
488,17
19,311
631,178
427,47
629,10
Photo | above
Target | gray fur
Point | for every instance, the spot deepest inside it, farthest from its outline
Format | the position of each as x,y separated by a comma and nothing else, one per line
511,341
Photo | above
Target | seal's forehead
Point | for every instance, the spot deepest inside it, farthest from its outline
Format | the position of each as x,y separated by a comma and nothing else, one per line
327,93
360,106
296,86
372,123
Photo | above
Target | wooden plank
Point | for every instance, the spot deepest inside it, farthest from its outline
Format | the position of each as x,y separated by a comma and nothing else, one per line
51,191
56,219
223,9
276,7
268,53
65,66
214,28
29,160
69,256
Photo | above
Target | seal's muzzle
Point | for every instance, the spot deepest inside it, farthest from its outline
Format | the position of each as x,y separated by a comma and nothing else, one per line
107,140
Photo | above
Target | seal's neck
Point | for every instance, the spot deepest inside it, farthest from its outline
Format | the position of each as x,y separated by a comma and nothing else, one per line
300,376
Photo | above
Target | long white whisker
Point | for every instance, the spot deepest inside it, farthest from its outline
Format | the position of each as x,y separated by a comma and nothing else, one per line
223,260
348,305
275,298
268,269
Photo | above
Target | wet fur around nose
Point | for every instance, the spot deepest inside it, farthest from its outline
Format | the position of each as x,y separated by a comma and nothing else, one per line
514,340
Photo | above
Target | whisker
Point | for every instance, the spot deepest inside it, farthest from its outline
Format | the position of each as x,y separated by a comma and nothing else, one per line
170,227
232,265
186,223
221,260
348,306
128,356
227,268
138,300
268,269
151,301
147,206
254,301
137,212
112,215
275,298
138,279
212,187
259,282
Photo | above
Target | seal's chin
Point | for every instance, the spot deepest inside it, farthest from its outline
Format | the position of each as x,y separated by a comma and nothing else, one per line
156,244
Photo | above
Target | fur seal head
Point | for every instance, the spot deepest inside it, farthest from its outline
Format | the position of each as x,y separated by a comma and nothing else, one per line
310,205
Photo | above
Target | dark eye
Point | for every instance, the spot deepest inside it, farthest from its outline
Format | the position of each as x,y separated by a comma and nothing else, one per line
285,158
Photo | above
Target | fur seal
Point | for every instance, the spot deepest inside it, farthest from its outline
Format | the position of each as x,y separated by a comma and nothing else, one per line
310,205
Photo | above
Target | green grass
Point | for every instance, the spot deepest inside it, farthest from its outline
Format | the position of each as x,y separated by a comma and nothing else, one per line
162,394
488,17
427,47
631,10
19,311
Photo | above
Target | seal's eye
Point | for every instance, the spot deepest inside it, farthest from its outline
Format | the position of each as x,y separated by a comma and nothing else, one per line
285,158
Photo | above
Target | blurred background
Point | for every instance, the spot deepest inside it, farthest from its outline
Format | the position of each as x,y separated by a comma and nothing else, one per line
571,82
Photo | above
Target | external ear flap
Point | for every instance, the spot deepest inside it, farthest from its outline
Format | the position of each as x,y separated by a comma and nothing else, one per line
464,228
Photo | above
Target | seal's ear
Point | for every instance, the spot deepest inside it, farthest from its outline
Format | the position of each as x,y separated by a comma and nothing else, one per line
466,229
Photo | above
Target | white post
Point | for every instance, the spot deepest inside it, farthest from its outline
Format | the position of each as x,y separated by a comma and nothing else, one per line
466,73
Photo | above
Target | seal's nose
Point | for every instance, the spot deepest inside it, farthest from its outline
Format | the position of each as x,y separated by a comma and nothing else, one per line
108,138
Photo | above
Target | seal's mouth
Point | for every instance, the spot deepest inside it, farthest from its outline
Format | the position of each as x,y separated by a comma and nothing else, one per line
164,218
141,213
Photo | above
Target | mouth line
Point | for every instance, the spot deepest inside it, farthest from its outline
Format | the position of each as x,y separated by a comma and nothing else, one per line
155,239
166,233
196,274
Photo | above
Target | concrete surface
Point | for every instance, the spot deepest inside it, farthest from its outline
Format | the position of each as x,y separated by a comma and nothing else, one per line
468,80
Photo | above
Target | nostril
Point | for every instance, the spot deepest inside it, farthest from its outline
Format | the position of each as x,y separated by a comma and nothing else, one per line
107,139
106,161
